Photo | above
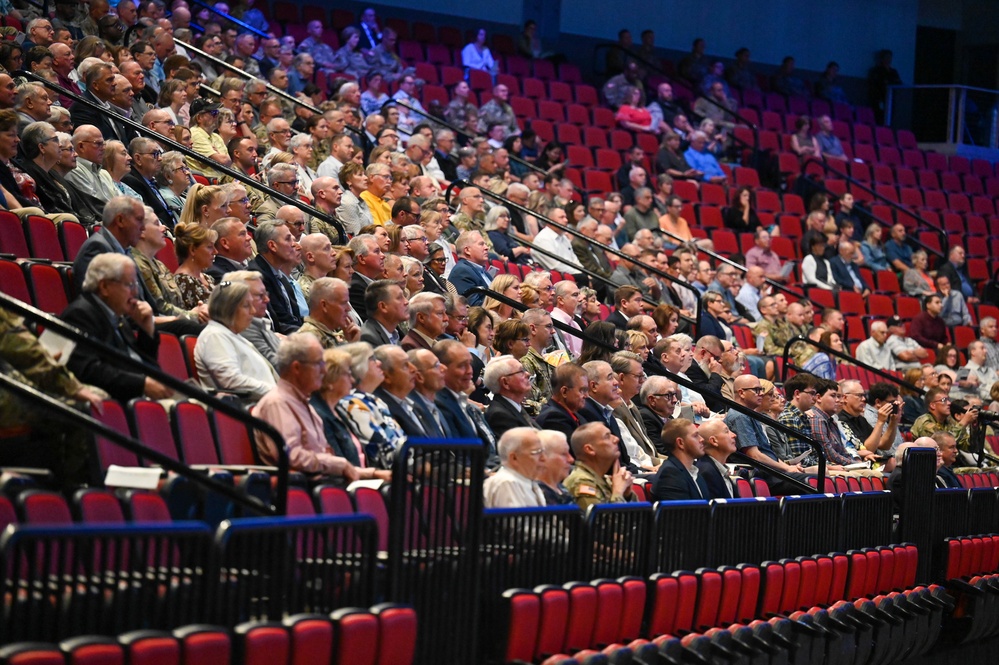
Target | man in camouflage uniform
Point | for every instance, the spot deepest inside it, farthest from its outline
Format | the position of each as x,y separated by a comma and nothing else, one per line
542,330
597,476
938,419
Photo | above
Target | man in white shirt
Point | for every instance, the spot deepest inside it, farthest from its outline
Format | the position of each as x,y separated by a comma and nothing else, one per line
554,240
513,485
976,377
341,146
906,352
874,351
566,301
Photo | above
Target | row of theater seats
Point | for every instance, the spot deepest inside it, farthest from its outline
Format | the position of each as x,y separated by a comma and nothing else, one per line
971,566
979,479
859,607
382,635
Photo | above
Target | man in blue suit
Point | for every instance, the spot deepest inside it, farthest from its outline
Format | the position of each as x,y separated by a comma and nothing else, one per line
679,478
470,271
465,420
429,381
845,272
279,253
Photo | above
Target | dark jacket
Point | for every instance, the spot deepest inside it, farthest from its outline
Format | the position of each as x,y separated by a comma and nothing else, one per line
373,333
414,341
708,325
673,483
284,313
356,294
451,413
593,412
427,418
90,366
150,197
556,417
711,390
713,479
502,416
54,197
221,267
653,425
843,274
412,428
618,320
111,129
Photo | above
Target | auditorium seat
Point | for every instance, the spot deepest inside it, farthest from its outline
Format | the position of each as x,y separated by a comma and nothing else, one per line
43,238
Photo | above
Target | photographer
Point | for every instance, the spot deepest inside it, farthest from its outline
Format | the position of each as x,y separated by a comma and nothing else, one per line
878,438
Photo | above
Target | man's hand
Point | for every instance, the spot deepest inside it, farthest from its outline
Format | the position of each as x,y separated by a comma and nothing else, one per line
351,473
351,332
142,314
621,480
701,409
885,412
156,390
468,339
970,416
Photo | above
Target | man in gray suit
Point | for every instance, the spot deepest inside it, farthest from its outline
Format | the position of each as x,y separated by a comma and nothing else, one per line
387,307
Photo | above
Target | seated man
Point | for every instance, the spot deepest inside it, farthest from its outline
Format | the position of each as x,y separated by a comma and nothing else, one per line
510,383
279,254
597,476
300,367
719,443
387,307
399,382
703,161
570,388
110,311
514,485
462,418
839,454
939,419
656,403
976,378
874,350
927,327
678,478
906,353
329,313
947,445
879,437
427,321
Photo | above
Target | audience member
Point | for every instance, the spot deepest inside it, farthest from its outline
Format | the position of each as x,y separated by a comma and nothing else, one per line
509,382
515,483
597,476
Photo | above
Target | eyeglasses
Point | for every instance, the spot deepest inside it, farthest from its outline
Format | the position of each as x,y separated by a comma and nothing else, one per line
293,183
50,139
134,286
862,396
758,390
537,453
156,154
317,363
670,396
519,371
942,400
99,144
813,393
442,260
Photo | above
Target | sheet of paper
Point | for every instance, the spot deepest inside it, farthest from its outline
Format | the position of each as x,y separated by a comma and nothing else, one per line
132,476
59,347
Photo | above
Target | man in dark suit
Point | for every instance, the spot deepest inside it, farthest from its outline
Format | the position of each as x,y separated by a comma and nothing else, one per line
605,389
707,350
956,270
719,443
233,248
387,308
947,445
510,385
628,303
463,419
427,321
429,381
278,254
656,403
399,382
121,229
470,271
147,159
109,312
845,272
675,481
369,265
100,89
444,140
570,387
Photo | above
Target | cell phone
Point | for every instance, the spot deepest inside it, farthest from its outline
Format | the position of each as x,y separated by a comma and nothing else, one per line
894,408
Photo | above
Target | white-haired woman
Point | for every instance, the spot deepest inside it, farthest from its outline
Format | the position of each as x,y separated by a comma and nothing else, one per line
174,179
368,415
225,360
301,147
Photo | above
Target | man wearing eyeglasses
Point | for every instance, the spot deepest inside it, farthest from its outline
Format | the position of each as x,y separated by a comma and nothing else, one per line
147,160
542,331
938,418
657,402
839,452
853,423
514,485
510,383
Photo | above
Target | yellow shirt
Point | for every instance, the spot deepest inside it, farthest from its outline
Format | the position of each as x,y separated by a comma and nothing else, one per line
381,211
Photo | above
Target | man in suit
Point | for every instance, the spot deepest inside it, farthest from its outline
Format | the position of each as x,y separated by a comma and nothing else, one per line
121,228
465,420
947,445
147,160
708,352
510,385
845,272
233,247
387,307
719,443
679,478
591,256
604,390
570,386
100,81
427,321
369,264
399,382
429,381
109,311
628,303
656,403
630,377
278,254
470,271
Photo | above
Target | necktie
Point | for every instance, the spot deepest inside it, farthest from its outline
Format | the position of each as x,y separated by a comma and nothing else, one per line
123,335
289,294
412,415
441,423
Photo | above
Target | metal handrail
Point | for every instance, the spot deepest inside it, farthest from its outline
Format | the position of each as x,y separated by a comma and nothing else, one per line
167,141
574,232
284,94
839,354
123,359
231,19
672,80
447,125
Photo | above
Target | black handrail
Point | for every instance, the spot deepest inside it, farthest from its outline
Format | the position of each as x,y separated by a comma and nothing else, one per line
659,370
444,123
891,204
672,80
284,94
737,266
167,141
121,358
839,354
574,232
231,19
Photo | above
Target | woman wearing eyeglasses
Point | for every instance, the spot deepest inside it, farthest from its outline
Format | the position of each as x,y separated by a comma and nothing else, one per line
512,338
174,179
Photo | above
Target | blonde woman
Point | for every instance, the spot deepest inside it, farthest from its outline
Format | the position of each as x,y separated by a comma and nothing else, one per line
195,247
506,285
205,205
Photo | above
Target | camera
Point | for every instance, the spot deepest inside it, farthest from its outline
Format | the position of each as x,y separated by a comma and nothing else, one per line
987,416
894,408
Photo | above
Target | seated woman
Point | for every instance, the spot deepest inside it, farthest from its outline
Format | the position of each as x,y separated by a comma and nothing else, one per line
366,414
373,97
195,247
605,334
822,364
803,143
173,100
350,58
916,281
512,338
481,323
741,215
174,179
414,276
912,401
497,225
476,55
670,159
301,150
157,278
205,205
636,342
873,250
226,361
667,318
631,114
506,285
717,142
590,306
117,162
337,384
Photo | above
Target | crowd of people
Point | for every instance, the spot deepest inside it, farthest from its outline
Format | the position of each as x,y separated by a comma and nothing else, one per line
383,318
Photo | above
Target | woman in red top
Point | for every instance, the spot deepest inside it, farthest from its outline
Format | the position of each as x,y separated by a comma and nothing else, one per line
632,116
